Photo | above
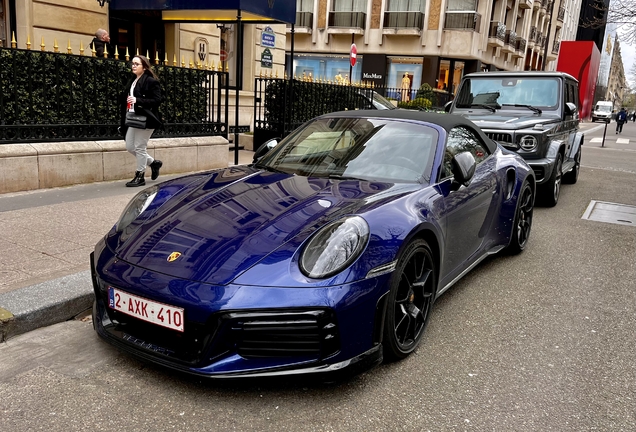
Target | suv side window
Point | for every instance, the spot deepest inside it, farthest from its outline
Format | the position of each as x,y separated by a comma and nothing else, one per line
569,95
461,139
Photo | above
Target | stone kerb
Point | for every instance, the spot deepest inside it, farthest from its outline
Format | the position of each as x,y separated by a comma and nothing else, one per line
18,168
45,165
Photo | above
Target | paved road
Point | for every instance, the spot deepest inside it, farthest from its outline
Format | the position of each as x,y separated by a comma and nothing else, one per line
541,341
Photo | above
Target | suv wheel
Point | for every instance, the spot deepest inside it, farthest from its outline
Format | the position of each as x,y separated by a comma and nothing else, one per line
550,191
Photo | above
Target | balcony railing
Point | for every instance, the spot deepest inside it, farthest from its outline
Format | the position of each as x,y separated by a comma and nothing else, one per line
497,30
462,20
304,19
541,41
347,19
548,6
511,38
521,45
400,20
561,14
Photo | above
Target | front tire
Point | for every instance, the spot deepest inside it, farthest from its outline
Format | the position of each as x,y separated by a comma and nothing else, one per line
523,220
410,301
551,190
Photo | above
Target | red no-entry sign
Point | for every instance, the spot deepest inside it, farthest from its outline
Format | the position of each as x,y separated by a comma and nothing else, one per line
353,54
223,55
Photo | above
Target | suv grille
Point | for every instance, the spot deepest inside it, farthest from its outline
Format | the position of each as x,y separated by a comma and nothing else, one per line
502,137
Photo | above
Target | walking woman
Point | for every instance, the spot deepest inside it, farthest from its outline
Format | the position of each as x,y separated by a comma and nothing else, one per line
142,96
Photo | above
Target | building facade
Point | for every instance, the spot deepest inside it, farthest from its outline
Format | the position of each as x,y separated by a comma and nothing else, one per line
428,41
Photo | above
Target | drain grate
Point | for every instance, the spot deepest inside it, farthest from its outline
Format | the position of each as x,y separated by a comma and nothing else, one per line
620,214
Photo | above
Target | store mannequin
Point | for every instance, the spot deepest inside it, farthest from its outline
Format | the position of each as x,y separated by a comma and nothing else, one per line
406,88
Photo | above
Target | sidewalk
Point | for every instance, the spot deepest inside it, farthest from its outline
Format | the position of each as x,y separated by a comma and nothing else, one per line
44,264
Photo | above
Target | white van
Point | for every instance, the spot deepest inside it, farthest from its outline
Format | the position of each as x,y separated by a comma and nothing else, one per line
602,111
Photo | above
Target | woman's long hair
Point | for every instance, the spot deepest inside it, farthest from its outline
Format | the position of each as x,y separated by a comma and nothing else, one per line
147,67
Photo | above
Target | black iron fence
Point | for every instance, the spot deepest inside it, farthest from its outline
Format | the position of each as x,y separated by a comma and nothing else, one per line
47,96
282,105
437,98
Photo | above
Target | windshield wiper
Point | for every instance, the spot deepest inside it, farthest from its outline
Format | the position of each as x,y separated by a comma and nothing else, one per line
269,168
530,107
489,107
341,177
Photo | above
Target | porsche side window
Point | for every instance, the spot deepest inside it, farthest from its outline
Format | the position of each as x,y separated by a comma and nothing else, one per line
461,139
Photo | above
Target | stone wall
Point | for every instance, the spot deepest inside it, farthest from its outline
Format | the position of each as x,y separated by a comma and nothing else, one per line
46,165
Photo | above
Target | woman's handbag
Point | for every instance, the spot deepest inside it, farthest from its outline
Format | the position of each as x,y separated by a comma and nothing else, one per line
135,120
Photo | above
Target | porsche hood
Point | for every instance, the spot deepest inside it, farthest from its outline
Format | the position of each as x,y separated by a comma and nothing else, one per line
228,223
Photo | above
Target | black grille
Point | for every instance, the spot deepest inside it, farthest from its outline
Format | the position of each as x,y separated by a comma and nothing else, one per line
304,334
502,137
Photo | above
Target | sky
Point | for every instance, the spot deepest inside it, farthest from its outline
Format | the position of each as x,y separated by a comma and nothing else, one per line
628,52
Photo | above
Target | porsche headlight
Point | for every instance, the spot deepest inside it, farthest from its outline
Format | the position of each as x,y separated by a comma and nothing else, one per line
528,142
334,247
135,207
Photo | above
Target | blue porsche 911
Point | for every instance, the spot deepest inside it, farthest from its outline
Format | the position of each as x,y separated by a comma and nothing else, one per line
325,255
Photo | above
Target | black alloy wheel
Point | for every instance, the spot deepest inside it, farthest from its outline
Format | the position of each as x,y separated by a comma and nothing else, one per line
523,220
572,176
413,288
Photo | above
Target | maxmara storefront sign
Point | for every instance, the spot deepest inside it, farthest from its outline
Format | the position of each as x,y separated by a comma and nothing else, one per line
374,69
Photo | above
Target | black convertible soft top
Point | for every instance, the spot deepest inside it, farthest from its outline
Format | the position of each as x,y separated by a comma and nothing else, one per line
446,121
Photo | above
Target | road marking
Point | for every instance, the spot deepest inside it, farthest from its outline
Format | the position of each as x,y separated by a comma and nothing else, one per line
596,140
622,140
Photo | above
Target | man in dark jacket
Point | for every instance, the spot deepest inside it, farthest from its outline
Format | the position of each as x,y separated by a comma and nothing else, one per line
99,41
621,118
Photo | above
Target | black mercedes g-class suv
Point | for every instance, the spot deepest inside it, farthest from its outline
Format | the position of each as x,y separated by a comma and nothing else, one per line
533,113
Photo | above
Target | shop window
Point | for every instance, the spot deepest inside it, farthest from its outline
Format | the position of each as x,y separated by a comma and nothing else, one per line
444,75
329,67
458,73
404,77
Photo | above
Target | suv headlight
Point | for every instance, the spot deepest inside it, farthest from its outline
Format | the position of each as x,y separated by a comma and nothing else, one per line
334,247
528,142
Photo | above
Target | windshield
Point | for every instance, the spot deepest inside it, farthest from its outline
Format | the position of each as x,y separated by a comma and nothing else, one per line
379,102
538,92
358,148
603,108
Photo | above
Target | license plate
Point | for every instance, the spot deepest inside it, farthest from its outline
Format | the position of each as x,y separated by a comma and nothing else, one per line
147,310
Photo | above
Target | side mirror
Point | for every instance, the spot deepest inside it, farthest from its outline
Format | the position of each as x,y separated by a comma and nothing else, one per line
570,109
265,148
463,169
447,106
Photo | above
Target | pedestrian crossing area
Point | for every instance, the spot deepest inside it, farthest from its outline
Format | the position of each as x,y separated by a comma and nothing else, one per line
618,140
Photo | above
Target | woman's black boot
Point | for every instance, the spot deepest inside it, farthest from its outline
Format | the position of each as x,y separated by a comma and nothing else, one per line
155,166
138,180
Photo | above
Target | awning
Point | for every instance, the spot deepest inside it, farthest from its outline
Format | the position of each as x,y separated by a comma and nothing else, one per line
251,11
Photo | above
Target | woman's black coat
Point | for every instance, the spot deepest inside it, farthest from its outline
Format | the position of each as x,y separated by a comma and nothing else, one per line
148,94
